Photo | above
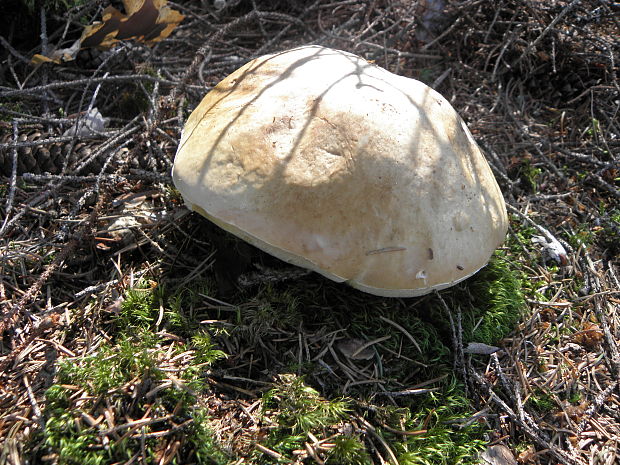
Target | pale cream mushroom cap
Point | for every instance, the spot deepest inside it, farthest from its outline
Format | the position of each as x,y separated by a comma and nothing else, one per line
332,163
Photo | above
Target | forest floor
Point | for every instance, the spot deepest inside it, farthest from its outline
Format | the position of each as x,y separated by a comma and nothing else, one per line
134,331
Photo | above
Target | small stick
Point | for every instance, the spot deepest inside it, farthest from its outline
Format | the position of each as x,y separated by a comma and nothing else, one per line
551,25
49,322
13,182
269,452
81,82
403,330
371,429
368,344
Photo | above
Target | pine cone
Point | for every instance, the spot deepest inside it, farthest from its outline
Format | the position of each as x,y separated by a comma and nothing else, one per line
150,152
46,158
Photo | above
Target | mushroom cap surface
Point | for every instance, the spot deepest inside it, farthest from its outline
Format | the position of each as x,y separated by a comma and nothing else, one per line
329,162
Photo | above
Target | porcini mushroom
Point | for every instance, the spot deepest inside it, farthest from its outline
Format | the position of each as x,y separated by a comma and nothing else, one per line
332,163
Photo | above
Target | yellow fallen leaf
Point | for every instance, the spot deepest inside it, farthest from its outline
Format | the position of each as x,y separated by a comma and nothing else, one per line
147,21
58,56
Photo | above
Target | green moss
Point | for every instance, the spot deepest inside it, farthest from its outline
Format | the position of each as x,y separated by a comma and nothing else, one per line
201,437
498,302
74,443
183,310
69,438
149,304
349,451
139,308
274,308
113,374
441,419
542,401
445,437
519,236
119,371
299,407
491,304
205,351
420,348
582,236
113,365
296,410
528,173
575,397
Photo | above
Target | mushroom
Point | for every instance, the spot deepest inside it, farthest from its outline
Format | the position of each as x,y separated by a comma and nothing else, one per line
332,163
